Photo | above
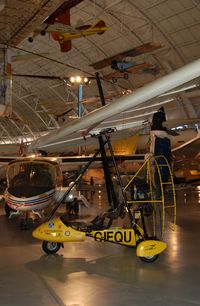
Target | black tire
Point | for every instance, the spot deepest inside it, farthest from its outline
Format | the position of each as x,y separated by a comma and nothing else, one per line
43,32
51,247
149,258
8,210
30,39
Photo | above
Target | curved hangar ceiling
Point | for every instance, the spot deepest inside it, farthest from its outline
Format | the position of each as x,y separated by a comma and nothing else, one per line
151,37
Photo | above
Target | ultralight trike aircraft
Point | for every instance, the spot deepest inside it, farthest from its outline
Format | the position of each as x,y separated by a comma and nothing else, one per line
146,211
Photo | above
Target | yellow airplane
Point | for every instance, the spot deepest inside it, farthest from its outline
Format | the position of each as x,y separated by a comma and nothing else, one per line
63,32
64,38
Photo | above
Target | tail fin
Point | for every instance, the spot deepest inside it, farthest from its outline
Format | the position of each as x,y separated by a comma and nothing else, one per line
126,146
99,24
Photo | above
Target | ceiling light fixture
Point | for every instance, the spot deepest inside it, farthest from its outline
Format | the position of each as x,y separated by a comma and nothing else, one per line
79,80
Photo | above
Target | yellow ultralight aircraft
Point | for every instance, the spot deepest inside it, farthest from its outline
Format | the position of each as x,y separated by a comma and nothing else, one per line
145,211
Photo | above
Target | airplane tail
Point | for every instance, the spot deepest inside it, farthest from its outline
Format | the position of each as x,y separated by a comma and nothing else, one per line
99,24
125,146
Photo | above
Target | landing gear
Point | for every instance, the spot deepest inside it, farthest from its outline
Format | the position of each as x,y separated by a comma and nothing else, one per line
30,39
72,207
8,210
43,32
149,258
51,247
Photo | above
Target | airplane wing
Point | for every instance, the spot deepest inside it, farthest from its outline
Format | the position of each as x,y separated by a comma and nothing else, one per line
148,47
191,148
187,160
74,132
64,7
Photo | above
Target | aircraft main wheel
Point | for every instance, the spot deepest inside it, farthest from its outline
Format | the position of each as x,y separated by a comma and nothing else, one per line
30,39
8,210
149,258
51,247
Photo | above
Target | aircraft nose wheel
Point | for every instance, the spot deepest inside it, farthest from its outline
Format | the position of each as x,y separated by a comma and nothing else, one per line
51,247
149,258
30,39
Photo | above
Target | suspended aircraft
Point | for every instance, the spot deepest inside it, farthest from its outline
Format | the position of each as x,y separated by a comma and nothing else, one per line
123,66
142,49
64,37
122,69
59,18
59,26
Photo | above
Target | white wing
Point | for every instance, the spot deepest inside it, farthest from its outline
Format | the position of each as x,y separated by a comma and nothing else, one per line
77,131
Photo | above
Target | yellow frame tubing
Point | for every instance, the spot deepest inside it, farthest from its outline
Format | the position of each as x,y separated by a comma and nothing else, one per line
171,182
148,163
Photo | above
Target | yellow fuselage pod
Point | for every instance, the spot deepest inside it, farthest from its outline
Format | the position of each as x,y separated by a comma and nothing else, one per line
56,231
149,248
116,235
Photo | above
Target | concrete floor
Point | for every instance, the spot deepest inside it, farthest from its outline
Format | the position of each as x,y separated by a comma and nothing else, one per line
102,274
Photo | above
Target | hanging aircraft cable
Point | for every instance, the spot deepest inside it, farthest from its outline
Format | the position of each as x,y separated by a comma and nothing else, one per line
91,76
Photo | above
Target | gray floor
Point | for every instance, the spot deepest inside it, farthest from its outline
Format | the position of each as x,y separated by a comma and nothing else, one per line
101,274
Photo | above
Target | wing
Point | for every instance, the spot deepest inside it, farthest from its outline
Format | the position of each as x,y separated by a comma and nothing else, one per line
60,13
72,132
187,160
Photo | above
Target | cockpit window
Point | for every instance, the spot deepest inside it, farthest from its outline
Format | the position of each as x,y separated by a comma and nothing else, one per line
36,174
